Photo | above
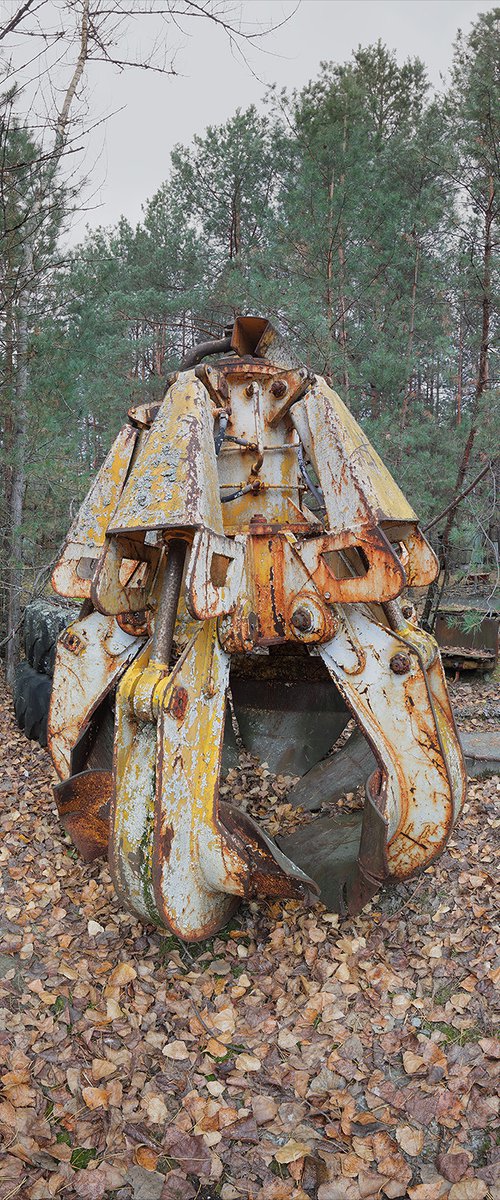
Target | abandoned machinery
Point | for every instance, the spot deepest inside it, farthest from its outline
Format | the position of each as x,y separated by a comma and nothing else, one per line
240,555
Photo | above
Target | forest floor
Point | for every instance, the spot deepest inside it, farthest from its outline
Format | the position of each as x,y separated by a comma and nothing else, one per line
293,1056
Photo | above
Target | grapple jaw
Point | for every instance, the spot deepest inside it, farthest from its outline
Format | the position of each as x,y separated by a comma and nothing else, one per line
244,540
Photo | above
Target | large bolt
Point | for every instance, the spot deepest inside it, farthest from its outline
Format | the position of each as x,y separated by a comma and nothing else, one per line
279,388
400,664
302,620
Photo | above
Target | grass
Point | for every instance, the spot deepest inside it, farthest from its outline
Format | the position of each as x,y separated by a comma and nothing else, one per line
452,1035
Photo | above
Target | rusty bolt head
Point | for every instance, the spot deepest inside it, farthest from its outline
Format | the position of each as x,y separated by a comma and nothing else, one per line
400,664
302,620
279,388
407,611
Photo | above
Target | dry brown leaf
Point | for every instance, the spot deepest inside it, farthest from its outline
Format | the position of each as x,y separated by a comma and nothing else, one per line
433,1189
124,973
156,1108
95,1097
287,1040
93,928
145,1157
176,1050
412,1062
468,1189
102,1069
452,1166
411,1140
264,1109
247,1062
490,1046
215,1048
291,1151
94,1185
20,1095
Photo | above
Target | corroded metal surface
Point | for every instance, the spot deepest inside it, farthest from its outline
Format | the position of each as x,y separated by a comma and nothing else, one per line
174,858
74,572
408,721
91,655
83,807
173,483
296,542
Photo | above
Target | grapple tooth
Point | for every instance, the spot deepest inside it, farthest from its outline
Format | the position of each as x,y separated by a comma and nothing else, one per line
346,854
83,807
270,871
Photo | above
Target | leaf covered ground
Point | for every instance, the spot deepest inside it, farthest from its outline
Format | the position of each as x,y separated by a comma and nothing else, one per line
291,1057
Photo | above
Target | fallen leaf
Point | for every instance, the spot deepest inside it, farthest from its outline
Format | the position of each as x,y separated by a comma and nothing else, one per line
468,1189
95,1097
291,1151
93,928
452,1166
156,1109
93,1185
146,1185
145,1157
247,1062
177,1187
411,1140
264,1109
124,973
490,1047
176,1050
412,1062
432,1190
102,1069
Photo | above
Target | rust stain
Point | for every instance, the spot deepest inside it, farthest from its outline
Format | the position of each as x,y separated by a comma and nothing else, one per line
83,807
178,703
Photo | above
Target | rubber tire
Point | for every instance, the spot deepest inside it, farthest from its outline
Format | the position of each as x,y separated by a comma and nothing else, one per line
31,694
44,620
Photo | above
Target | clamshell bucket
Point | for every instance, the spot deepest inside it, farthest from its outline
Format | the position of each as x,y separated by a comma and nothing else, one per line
242,552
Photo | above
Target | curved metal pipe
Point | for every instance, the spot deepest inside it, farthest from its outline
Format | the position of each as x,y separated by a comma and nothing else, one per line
215,346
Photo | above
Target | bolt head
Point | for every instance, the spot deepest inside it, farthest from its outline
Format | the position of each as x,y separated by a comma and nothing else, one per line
400,664
279,388
302,620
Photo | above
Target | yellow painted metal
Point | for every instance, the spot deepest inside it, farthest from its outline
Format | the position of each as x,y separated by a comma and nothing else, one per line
73,573
173,859
174,482
356,484
132,805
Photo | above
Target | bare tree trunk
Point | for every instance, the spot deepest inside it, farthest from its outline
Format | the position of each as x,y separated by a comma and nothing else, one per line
342,298
18,476
481,387
411,336
483,366
460,373
343,310
20,392
329,276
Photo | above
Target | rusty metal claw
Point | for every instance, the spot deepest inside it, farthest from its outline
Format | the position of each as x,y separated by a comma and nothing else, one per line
205,530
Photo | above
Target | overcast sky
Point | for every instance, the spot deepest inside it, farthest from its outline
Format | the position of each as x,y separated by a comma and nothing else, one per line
128,156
